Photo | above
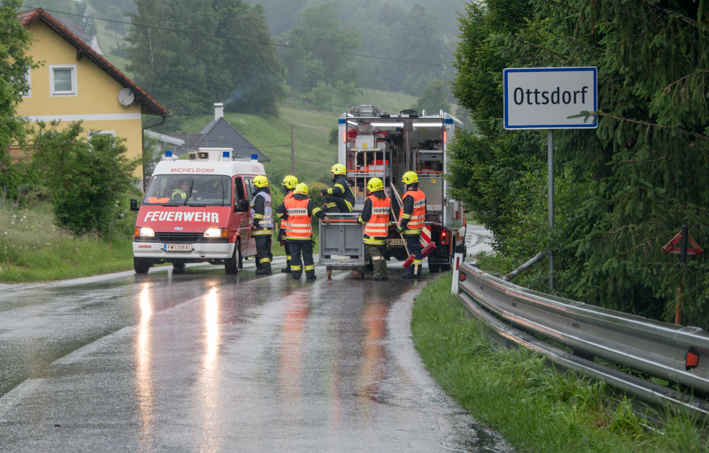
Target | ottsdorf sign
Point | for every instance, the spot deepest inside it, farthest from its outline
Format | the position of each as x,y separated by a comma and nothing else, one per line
545,98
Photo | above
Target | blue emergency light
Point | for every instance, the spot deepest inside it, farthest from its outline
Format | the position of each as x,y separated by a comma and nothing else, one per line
168,153
225,154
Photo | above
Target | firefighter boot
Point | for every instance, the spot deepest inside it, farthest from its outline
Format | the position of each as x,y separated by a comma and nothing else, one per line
265,269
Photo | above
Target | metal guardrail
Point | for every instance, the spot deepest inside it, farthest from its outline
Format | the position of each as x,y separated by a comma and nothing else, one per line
663,350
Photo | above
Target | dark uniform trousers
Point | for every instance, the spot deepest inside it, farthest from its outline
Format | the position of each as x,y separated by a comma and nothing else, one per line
335,204
263,250
304,247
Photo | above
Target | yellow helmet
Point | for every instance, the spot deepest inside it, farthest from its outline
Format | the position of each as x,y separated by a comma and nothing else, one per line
301,188
261,181
410,177
375,184
339,169
290,181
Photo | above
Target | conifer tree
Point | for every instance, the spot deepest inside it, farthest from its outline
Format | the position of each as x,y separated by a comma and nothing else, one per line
642,172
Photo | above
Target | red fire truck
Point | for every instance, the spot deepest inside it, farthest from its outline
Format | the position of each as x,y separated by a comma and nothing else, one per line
373,143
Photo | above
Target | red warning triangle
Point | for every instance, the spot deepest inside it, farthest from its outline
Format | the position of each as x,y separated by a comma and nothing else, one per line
692,246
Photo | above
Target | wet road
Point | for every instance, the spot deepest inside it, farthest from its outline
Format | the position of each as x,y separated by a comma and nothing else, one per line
209,362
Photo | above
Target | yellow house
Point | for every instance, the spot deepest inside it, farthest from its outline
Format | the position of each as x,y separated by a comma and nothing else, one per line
75,83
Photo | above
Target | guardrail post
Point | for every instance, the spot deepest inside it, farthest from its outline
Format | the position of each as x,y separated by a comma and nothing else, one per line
458,259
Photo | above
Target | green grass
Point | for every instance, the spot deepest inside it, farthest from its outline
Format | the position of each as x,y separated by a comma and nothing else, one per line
314,155
516,394
37,250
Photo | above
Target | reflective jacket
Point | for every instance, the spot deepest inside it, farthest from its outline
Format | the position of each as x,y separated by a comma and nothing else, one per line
376,215
298,212
284,221
413,214
262,213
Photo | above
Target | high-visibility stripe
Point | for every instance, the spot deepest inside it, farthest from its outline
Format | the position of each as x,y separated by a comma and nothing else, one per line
310,267
264,260
378,224
284,222
264,232
295,268
372,241
299,222
418,216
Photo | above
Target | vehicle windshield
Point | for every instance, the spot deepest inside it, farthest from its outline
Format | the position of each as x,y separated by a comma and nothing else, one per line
181,190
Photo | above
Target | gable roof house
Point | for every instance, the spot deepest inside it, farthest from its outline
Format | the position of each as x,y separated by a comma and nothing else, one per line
75,83
217,134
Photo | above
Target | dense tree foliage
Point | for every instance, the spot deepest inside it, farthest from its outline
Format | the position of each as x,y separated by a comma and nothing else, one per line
433,98
204,51
407,43
316,50
14,66
86,178
625,188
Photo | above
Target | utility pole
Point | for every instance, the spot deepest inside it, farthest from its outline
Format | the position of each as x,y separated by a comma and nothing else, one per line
292,149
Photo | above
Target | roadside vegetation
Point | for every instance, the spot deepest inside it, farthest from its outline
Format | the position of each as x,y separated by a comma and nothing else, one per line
623,190
518,395
33,248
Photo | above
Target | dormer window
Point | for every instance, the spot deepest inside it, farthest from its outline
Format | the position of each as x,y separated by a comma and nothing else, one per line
62,80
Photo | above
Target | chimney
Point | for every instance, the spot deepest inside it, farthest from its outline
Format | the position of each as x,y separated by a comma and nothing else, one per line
218,111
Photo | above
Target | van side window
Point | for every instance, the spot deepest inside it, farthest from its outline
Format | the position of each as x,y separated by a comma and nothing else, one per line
249,188
239,193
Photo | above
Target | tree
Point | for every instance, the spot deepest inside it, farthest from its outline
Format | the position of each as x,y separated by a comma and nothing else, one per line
642,172
85,177
318,48
15,66
204,51
433,98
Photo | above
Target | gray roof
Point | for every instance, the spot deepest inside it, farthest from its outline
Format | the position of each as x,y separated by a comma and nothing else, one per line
219,134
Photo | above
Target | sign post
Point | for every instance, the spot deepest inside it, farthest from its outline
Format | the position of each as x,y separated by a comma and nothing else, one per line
550,98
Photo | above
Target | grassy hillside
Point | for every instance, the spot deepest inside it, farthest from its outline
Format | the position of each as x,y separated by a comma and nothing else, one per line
314,155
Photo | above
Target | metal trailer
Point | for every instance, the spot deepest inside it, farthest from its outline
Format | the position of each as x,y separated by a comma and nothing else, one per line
341,246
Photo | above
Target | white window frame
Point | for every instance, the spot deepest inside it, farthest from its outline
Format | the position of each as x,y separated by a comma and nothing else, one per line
28,79
75,88
94,133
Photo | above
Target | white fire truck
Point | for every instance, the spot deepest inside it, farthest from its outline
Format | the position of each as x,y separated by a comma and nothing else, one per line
196,210
373,143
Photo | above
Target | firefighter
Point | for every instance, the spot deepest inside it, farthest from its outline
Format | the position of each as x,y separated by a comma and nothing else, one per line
340,197
262,228
411,221
298,211
181,192
376,217
289,184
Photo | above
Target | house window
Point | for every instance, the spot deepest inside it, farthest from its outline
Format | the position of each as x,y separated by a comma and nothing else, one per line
62,80
28,80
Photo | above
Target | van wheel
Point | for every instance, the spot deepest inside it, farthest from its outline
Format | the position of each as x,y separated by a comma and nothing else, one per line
231,266
141,265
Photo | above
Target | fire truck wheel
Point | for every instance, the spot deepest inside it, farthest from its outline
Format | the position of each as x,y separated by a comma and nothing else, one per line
141,265
231,266
178,268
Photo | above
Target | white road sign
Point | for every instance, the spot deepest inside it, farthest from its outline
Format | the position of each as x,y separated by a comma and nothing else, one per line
545,98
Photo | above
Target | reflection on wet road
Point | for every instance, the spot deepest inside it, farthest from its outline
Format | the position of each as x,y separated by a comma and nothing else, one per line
209,362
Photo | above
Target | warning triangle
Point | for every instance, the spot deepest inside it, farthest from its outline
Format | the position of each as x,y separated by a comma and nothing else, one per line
692,246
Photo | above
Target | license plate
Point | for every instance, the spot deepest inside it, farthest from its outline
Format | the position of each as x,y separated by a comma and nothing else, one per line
395,242
178,247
